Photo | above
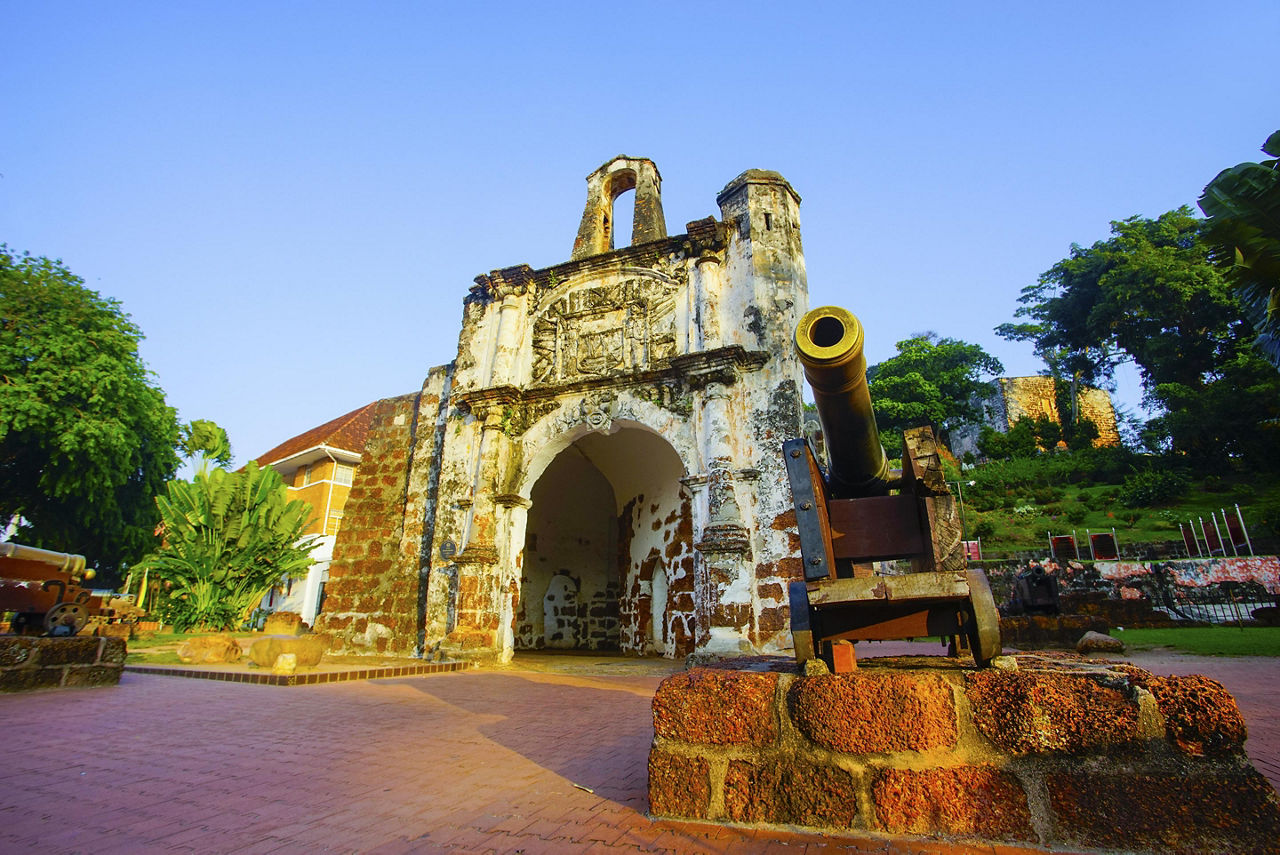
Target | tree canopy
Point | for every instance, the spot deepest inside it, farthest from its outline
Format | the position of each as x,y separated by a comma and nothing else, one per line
86,438
933,381
1243,207
1151,293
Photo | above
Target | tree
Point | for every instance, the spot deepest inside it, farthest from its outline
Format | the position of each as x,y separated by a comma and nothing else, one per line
1019,441
86,439
1151,293
932,380
1243,207
228,538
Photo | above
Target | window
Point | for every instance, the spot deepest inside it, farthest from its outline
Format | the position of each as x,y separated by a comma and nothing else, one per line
307,475
334,522
343,473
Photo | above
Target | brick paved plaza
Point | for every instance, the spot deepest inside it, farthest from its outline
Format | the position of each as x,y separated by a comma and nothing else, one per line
477,761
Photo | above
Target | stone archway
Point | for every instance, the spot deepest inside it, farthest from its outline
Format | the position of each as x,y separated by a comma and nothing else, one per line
600,511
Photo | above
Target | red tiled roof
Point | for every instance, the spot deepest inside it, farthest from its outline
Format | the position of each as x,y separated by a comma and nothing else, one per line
346,432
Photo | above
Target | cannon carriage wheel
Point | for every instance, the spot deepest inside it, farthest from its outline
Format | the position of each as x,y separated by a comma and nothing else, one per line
66,619
984,630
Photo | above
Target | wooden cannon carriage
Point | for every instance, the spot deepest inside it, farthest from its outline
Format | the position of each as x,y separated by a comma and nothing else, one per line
858,512
42,590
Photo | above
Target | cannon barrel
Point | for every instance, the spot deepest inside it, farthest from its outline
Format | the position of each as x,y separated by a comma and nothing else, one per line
829,343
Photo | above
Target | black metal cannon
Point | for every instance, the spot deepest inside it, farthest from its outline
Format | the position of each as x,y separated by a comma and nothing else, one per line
1035,592
858,512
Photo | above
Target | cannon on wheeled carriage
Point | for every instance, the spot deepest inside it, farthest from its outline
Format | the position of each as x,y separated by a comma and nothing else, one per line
857,513
42,589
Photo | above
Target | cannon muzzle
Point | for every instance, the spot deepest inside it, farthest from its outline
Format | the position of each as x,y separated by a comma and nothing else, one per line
829,343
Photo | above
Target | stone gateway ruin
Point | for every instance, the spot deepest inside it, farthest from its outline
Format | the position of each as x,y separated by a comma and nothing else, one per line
599,466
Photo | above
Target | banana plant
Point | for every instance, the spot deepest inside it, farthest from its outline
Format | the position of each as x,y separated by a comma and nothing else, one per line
1243,207
228,538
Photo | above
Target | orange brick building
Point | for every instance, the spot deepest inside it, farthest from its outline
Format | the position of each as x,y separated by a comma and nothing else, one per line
318,466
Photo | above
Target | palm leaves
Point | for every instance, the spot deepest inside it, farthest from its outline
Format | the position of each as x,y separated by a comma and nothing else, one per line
228,538
1243,207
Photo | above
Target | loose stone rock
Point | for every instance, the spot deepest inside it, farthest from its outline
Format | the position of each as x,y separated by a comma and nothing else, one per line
1096,642
210,649
309,649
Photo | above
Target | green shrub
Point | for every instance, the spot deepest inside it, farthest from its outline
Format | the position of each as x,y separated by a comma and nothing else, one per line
1213,484
1152,487
1108,464
1076,514
982,497
1018,442
1265,516
1047,495
984,529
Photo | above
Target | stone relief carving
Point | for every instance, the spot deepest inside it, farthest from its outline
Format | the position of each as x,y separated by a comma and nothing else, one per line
606,329
516,420
668,394
597,411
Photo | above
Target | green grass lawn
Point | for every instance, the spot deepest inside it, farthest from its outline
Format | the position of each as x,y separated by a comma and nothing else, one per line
1207,641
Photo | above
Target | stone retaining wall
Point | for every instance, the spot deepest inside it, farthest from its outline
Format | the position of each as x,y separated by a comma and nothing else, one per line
1034,632
1060,752
28,663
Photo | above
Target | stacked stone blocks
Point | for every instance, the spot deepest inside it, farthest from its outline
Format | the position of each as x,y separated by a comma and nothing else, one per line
59,663
1060,752
372,593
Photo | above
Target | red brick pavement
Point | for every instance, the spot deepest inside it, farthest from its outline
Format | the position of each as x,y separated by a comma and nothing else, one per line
483,761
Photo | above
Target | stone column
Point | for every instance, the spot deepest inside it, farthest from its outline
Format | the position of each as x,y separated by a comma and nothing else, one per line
707,275
511,287
723,586
513,517
479,585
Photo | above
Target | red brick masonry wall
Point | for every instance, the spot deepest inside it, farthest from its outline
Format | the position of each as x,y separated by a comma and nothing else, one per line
371,599
53,663
1061,752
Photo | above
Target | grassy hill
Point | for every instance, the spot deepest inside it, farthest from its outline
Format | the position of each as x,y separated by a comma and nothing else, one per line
1013,505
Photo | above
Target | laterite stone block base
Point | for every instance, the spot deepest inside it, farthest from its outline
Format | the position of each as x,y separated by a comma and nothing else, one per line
1063,753
28,663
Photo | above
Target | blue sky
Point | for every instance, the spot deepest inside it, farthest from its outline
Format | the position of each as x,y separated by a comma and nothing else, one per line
291,199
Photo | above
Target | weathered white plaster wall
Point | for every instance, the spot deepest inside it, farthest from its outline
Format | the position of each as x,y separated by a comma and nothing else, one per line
661,374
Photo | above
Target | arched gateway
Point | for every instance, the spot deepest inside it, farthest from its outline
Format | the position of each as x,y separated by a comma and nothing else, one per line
607,515
600,466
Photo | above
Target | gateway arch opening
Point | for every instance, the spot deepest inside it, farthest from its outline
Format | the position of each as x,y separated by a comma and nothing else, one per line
608,555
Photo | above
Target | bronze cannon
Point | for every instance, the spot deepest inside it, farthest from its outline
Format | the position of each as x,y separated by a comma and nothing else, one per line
858,512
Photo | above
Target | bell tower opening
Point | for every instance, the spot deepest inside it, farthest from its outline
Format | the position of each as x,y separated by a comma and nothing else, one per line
600,513
624,213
